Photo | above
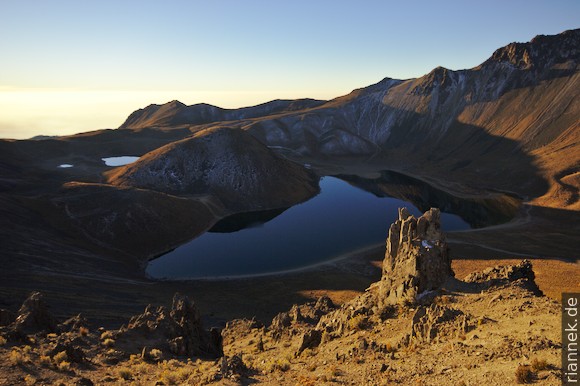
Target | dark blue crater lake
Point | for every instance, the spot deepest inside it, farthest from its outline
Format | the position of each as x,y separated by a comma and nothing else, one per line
340,220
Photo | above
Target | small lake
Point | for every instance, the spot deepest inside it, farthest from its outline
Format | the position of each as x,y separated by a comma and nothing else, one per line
341,219
120,161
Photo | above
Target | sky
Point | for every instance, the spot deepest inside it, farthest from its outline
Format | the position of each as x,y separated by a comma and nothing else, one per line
74,66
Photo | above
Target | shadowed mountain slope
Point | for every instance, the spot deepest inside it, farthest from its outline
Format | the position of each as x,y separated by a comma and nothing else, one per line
518,108
229,164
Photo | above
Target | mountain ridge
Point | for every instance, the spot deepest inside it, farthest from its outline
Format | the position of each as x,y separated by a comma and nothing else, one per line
177,113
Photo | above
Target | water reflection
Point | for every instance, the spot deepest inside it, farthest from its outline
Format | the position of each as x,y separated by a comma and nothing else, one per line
344,217
478,212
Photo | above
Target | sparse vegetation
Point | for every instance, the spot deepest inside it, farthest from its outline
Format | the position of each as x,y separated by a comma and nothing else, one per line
524,374
17,357
183,373
60,357
168,377
540,364
277,364
334,371
45,360
106,335
156,354
64,366
2,341
125,373
83,331
30,380
359,322
109,342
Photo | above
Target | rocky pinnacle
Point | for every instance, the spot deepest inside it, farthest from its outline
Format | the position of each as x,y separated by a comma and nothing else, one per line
416,258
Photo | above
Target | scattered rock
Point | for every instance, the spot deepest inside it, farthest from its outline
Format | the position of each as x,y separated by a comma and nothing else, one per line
74,353
113,357
245,325
74,323
179,331
363,344
232,367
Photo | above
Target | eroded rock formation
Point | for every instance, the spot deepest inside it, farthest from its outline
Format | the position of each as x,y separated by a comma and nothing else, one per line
33,316
416,264
521,274
178,331
416,259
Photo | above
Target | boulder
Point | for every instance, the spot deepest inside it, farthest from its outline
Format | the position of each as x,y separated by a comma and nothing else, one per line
33,316
310,339
281,321
232,367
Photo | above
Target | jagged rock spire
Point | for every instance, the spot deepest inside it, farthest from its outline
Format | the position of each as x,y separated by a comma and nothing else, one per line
416,258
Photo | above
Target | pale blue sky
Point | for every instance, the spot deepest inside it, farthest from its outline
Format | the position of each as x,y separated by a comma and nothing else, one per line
116,56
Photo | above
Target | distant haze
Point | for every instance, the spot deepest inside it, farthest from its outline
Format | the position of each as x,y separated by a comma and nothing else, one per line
118,56
27,113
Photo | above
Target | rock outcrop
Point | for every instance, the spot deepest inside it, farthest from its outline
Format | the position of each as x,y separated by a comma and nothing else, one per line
436,322
34,316
178,331
416,260
310,339
309,313
416,264
521,274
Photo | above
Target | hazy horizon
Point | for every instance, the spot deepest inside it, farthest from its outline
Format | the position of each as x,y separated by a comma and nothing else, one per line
71,67
26,114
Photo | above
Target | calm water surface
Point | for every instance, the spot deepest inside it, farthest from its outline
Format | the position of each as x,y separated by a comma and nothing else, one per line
120,161
341,219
